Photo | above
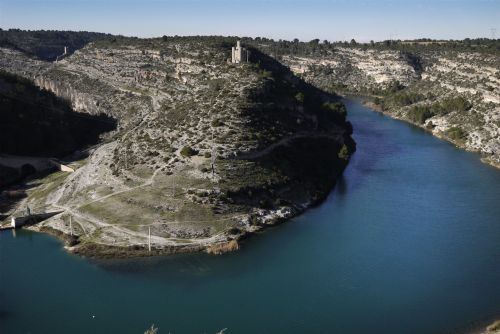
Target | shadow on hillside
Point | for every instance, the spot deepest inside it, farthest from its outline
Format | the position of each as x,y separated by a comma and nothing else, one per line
35,122
300,122
39,129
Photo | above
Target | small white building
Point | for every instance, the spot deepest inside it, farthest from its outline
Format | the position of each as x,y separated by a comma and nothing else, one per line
239,54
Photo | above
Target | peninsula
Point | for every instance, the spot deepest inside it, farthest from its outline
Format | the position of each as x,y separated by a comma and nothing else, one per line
210,142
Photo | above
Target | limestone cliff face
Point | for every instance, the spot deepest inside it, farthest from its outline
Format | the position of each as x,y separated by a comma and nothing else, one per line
424,88
80,101
45,75
355,69
36,122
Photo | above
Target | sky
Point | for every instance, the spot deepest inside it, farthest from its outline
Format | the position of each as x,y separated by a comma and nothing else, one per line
363,20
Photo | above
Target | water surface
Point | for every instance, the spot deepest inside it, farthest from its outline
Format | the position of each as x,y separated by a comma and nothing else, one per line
408,242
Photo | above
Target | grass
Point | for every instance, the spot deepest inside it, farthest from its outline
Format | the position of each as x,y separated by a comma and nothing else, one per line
47,185
149,204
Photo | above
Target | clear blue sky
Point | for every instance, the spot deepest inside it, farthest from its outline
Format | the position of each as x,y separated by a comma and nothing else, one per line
304,19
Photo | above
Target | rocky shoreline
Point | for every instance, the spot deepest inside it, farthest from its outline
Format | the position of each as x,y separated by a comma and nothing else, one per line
484,158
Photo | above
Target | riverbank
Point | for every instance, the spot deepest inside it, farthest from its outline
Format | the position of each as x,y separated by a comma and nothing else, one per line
452,93
493,328
490,327
228,241
487,159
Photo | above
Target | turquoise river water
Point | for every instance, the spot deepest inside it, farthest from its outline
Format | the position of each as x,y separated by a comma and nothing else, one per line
407,242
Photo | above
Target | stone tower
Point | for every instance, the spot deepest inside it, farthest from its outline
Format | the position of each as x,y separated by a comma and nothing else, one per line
239,54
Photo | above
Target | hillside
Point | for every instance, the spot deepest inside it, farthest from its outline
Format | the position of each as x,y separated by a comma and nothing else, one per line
49,44
36,122
452,89
204,151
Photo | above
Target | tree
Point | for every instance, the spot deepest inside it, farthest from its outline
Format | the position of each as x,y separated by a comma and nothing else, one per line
300,97
419,114
344,153
187,151
353,42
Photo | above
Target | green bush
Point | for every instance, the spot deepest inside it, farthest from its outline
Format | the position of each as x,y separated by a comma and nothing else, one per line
406,98
299,97
337,107
419,114
456,133
393,87
264,74
217,122
215,85
187,151
344,153
450,104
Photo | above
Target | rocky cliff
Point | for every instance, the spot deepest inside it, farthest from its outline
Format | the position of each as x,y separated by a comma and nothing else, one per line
204,151
453,94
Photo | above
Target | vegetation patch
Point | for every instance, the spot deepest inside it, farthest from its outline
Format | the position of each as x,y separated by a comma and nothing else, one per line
456,133
419,114
188,151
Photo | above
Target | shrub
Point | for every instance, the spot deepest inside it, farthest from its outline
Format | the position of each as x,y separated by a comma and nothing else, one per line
187,151
450,104
393,87
344,153
406,98
419,114
335,107
266,75
216,85
217,122
299,97
456,133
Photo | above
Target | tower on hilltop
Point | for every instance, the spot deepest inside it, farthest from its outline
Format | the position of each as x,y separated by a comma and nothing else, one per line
239,54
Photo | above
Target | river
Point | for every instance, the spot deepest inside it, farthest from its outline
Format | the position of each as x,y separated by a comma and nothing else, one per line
407,242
